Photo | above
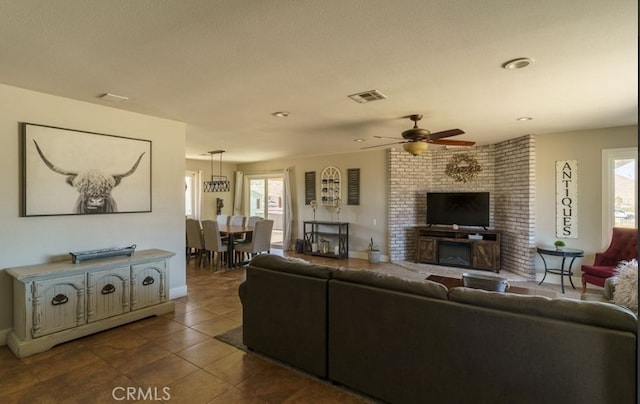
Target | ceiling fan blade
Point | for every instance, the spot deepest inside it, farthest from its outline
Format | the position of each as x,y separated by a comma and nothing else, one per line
446,133
387,137
381,145
452,142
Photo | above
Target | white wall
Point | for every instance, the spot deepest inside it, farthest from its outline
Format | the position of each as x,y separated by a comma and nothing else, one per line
374,187
585,147
33,240
209,198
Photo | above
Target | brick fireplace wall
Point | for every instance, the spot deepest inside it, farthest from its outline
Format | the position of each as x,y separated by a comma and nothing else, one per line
507,173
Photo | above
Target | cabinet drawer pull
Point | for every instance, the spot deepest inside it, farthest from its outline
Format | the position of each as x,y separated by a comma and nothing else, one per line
148,281
108,289
59,299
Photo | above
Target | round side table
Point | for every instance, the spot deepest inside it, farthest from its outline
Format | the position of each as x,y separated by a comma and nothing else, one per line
565,253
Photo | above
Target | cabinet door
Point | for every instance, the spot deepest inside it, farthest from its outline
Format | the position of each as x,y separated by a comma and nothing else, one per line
427,250
108,293
484,255
148,284
58,304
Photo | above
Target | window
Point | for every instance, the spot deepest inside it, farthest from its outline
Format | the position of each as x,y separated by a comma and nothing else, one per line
192,194
620,187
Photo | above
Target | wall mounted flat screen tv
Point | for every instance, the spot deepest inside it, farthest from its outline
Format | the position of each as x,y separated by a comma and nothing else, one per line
461,208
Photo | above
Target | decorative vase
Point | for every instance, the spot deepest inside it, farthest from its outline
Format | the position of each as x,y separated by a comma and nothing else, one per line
374,256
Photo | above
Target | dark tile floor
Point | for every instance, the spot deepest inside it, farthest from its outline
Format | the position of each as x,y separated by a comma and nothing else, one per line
172,358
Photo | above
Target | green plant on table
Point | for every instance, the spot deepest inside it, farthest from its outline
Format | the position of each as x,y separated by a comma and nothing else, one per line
559,243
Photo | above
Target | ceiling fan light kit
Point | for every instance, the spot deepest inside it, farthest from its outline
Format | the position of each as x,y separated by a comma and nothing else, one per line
415,148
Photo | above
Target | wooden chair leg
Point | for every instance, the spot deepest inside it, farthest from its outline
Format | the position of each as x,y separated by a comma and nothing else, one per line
207,257
584,286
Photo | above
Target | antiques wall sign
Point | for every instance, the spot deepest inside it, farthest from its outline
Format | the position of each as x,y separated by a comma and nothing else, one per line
567,199
73,172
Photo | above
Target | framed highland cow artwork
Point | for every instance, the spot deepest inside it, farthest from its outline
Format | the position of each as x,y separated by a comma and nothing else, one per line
74,172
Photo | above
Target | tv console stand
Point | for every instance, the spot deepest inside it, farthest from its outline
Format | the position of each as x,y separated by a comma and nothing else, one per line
464,248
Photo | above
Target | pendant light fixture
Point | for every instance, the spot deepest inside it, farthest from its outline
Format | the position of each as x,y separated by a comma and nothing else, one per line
218,183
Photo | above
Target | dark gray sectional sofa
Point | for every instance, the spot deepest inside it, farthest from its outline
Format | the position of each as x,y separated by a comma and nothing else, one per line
404,341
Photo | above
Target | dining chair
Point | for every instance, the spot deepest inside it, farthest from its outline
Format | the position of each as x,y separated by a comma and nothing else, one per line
260,240
236,220
194,239
213,244
222,219
251,222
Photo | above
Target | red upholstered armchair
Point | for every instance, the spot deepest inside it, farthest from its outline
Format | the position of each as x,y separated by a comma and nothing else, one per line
623,247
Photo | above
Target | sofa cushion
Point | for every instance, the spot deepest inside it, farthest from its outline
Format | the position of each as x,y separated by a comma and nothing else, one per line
576,311
292,266
423,288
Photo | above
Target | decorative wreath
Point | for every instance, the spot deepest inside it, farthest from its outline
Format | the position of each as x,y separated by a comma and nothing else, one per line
463,168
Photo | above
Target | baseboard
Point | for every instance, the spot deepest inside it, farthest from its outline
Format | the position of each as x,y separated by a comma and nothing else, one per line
180,291
3,336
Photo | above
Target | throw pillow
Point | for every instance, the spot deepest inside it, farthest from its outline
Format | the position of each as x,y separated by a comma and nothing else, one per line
626,287
297,260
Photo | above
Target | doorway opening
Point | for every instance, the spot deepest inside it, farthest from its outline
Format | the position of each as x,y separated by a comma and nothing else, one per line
265,198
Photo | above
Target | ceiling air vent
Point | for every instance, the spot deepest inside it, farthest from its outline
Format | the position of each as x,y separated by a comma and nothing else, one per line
368,96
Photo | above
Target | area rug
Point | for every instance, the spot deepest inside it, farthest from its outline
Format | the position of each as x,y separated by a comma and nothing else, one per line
451,272
412,270
232,337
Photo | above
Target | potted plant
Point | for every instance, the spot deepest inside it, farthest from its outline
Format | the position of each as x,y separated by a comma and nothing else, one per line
374,253
559,244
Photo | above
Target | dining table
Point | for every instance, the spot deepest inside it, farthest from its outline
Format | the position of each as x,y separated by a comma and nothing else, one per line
232,232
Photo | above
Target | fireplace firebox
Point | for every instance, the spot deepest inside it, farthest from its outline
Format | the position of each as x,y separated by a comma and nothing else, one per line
464,248
454,254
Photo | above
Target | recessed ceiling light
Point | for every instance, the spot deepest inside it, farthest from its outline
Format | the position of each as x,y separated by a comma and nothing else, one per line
281,114
516,64
524,118
113,97
358,140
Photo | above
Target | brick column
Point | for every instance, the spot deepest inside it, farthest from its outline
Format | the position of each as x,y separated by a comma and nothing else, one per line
507,173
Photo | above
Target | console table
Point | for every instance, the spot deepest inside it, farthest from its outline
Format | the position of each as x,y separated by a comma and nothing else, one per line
565,253
465,248
61,301
338,232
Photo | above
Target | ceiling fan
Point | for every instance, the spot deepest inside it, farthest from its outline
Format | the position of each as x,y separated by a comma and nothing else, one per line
416,140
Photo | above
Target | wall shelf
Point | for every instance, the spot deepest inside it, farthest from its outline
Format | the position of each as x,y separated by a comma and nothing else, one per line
330,183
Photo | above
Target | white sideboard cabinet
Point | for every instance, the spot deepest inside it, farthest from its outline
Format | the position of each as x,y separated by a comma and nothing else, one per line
61,301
